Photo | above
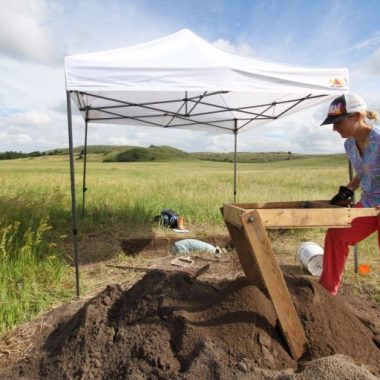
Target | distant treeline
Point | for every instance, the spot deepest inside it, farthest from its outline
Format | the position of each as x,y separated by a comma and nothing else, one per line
128,153
13,155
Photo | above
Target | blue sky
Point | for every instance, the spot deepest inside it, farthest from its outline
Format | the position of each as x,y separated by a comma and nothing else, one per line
35,35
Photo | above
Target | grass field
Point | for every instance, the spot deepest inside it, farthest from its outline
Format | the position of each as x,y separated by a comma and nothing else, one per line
35,212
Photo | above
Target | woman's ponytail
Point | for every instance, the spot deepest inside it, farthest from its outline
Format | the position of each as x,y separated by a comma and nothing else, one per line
371,115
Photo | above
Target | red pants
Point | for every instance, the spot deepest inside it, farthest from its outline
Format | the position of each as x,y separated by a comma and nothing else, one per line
336,249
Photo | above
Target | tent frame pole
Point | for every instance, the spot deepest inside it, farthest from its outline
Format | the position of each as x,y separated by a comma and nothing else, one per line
189,118
84,189
356,248
73,198
235,157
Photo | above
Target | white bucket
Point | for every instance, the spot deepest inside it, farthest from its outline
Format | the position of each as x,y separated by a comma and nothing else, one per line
310,255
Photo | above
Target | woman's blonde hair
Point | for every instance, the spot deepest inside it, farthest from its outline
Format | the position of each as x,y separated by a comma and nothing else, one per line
371,115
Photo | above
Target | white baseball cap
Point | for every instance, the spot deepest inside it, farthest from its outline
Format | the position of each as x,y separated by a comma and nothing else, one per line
343,106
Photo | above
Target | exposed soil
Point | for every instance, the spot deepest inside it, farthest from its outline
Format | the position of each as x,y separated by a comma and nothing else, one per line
217,326
134,246
169,326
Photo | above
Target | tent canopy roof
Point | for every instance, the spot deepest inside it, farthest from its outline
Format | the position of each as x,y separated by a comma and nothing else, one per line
182,81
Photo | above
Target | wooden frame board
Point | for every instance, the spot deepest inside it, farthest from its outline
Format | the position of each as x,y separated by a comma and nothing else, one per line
298,214
246,223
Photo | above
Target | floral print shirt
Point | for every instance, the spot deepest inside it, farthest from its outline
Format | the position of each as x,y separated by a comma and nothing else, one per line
367,166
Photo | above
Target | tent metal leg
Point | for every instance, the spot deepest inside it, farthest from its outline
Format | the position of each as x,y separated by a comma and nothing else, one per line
356,249
356,257
73,199
235,159
84,170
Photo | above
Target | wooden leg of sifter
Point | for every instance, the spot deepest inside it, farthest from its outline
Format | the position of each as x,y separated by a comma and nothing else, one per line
260,267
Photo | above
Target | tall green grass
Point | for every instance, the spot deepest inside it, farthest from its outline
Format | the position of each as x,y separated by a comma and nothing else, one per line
32,261
30,271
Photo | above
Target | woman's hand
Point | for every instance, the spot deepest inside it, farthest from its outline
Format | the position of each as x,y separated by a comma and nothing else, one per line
343,194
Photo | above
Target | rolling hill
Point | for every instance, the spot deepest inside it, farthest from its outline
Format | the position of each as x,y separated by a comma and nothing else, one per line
152,153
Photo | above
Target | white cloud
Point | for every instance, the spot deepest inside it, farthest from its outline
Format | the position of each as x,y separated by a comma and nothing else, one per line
299,133
220,143
24,31
9,141
122,141
225,45
102,25
30,119
368,43
34,130
28,85
372,64
43,143
22,139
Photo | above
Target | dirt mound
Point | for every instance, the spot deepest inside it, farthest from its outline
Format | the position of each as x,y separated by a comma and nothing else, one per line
330,326
331,367
171,326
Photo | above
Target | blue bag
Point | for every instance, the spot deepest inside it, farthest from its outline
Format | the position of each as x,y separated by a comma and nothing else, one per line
168,218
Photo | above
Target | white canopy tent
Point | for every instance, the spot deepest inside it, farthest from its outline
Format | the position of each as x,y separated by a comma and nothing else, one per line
182,81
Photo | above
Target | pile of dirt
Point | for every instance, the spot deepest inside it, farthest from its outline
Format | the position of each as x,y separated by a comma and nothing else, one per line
330,326
169,326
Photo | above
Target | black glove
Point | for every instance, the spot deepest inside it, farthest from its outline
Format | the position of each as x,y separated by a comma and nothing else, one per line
344,193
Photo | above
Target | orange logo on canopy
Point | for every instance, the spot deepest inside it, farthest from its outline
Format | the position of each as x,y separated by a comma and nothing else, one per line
337,82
